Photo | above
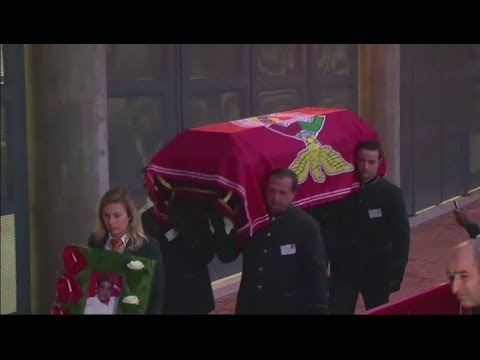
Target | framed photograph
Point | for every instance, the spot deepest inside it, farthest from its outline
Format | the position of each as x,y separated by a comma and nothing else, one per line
98,282
104,290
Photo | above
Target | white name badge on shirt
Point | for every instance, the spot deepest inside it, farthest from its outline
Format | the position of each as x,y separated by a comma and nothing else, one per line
375,213
171,234
288,249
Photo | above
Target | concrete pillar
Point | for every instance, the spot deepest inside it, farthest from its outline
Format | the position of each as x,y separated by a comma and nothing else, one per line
67,154
379,98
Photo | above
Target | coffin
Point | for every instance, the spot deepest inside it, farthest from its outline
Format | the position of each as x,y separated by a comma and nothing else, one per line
227,163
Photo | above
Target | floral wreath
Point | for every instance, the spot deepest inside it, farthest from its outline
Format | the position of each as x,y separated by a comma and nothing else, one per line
80,262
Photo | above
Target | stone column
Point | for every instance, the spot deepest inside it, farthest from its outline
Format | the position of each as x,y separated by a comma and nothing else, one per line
379,98
67,154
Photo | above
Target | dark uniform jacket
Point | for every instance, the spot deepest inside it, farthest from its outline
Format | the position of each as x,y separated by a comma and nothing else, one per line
472,229
372,227
284,267
188,288
149,249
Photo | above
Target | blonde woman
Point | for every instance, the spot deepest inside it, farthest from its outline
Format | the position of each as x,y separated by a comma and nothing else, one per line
119,229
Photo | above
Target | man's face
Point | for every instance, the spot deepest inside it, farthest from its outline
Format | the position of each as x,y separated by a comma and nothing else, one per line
367,164
278,194
104,291
464,276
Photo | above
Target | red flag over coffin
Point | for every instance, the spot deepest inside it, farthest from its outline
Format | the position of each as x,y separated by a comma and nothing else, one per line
229,161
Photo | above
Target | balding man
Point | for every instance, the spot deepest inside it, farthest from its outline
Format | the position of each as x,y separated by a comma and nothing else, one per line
463,272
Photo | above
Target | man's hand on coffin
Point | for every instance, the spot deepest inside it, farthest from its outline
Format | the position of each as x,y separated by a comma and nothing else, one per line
217,225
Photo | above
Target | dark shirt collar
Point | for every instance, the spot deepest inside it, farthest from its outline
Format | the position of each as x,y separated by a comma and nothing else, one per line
273,217
370,182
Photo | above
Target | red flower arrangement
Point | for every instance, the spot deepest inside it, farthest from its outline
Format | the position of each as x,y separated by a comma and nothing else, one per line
59,309
68,287
73,260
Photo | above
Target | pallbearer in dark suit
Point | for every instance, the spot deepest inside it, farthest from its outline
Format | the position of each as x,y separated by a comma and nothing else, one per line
369,238
284,263
187,248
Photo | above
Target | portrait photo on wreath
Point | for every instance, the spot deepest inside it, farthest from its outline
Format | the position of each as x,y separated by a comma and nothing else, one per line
103,293
97,282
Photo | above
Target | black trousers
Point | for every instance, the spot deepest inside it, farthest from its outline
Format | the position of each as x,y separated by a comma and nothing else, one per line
347,281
